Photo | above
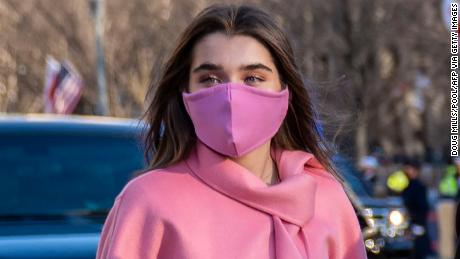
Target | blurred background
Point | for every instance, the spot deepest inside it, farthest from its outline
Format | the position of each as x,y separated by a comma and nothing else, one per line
395,54
378,71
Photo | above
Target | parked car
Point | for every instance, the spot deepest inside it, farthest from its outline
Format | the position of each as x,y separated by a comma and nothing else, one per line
384,222
59,177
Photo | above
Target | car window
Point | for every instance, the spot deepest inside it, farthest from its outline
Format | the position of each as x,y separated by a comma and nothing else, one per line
51,174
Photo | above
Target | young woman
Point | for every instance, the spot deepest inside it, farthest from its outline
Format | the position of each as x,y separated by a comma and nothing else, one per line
238,167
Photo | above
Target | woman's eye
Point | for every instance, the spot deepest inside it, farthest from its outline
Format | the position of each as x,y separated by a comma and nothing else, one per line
253,79
210,80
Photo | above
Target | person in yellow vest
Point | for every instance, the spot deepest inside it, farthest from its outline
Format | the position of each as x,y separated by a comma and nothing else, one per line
397,182
448,186
447,208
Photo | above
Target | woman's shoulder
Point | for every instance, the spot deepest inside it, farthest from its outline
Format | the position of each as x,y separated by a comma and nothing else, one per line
156,183
331,198
315,169
329,188
143,205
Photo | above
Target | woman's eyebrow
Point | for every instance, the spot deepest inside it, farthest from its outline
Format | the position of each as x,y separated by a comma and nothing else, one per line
256,66
207,66
213,67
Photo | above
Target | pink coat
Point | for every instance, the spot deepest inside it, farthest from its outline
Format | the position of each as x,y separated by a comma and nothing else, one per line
208,207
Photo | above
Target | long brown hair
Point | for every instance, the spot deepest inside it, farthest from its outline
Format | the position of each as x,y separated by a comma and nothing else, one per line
171,134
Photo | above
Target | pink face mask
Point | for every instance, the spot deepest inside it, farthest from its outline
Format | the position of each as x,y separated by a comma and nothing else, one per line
234,118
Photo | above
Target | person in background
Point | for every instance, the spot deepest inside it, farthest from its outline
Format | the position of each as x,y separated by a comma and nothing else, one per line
448,186
453,168
446,209
368,166
416,201
397,182
456,167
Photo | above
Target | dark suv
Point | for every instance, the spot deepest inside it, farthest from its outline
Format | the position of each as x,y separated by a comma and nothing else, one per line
384,222
59,177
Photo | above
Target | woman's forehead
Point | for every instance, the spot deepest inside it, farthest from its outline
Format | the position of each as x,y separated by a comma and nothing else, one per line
230,51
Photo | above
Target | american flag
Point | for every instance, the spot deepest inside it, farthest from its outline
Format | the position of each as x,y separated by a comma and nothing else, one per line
63,87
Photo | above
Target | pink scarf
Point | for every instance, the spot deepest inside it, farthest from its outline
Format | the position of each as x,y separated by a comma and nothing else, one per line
291,202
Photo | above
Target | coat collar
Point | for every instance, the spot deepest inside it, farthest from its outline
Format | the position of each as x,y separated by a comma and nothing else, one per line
292,199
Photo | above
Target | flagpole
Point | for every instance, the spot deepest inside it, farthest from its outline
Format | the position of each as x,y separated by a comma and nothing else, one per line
98,12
